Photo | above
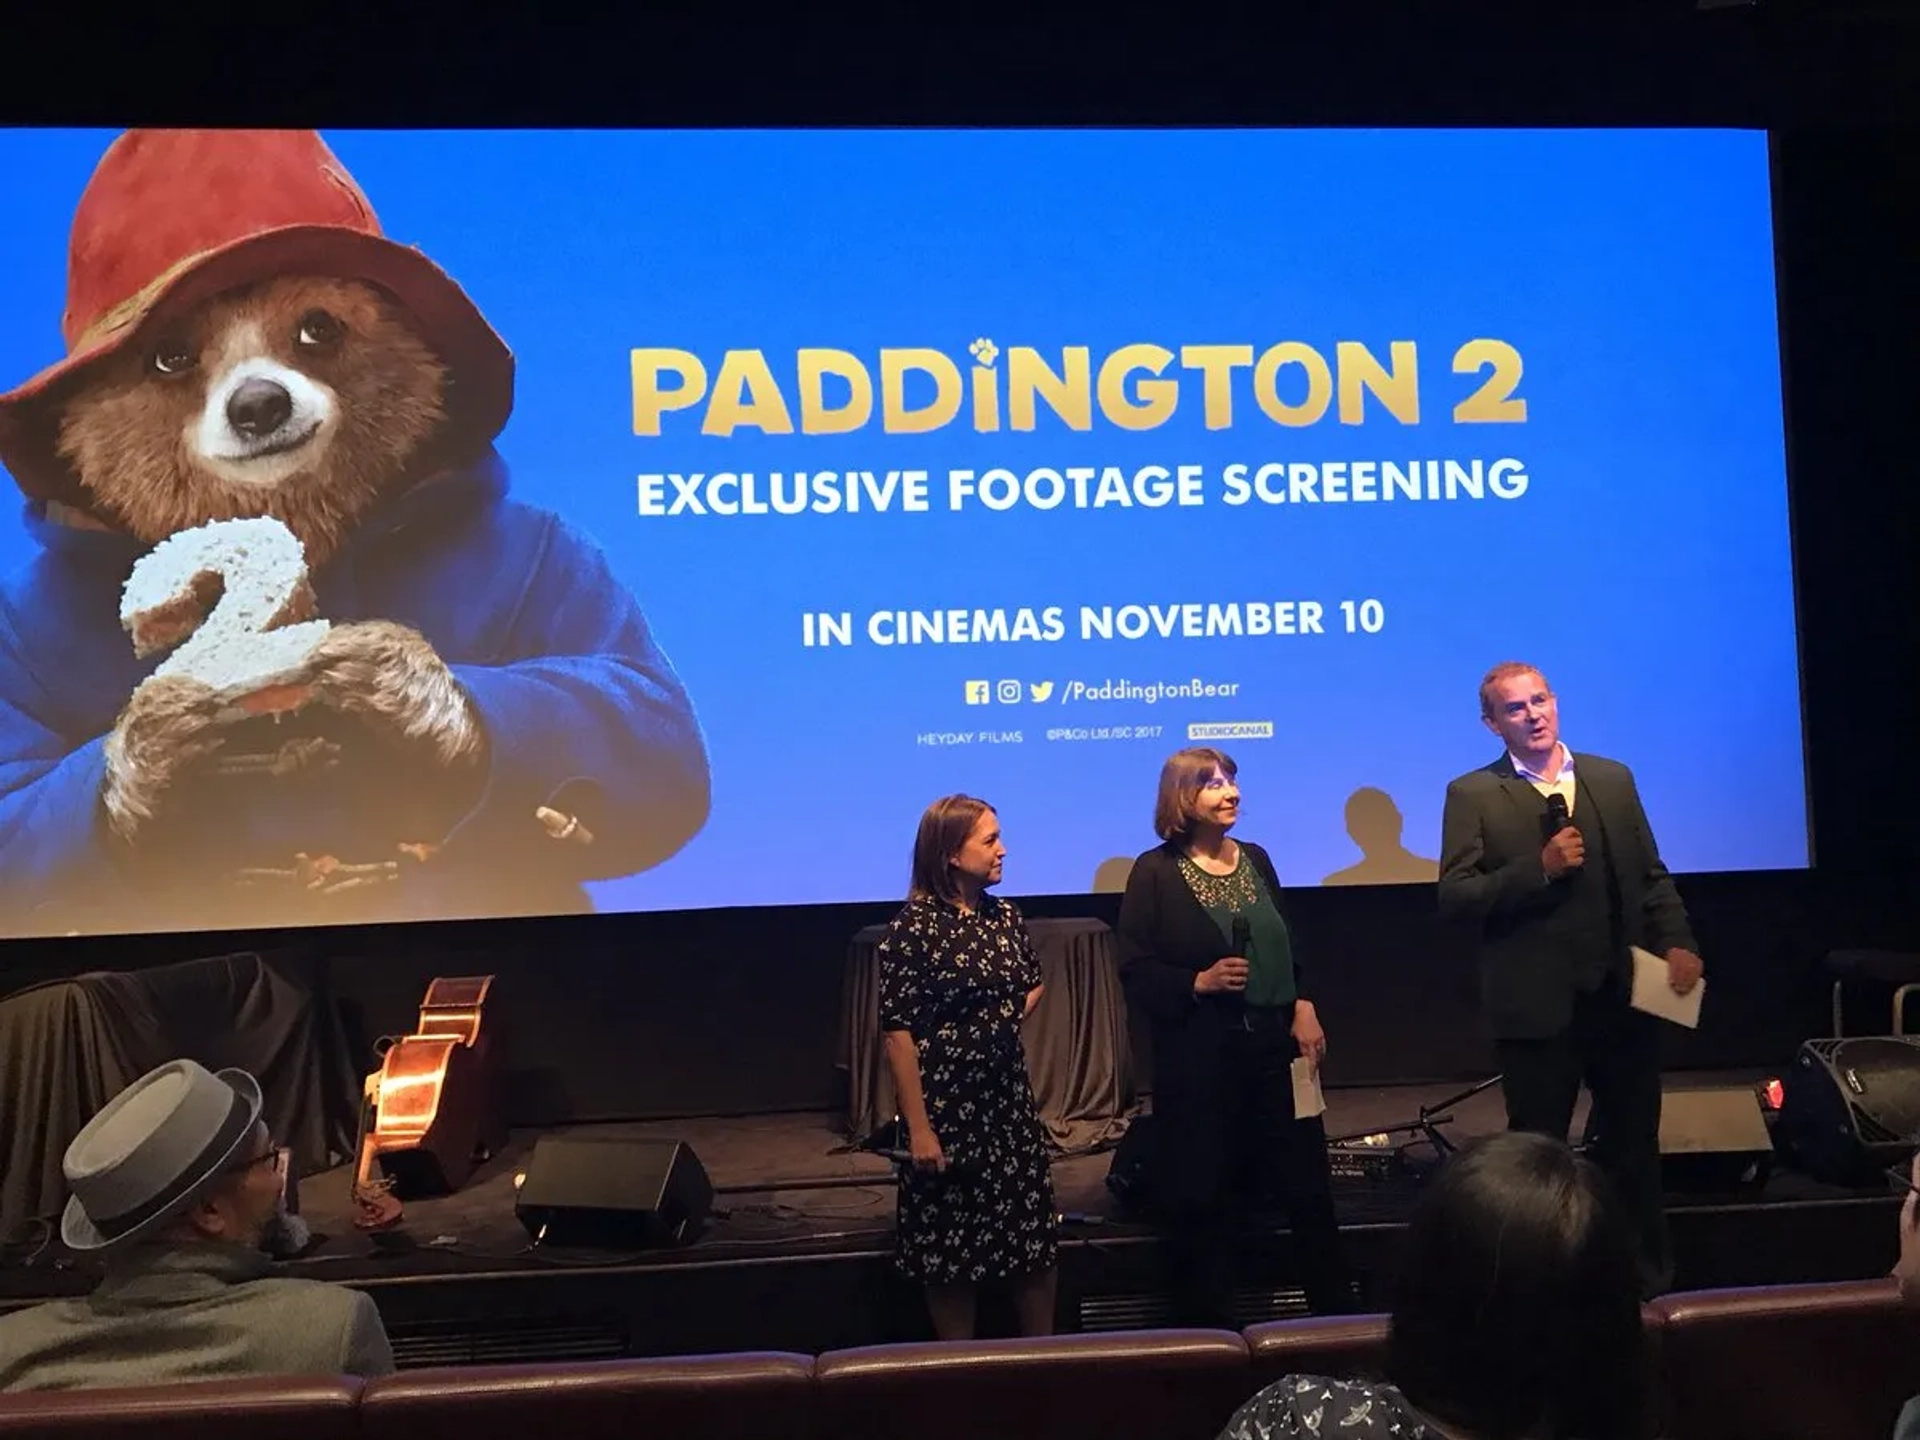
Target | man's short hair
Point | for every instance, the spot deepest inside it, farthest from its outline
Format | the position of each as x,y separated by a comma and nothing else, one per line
1506,670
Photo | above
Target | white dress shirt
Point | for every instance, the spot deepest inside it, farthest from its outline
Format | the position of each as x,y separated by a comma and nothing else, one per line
1561,785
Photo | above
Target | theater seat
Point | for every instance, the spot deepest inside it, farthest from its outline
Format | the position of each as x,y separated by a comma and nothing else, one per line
1354,1347
1153,1385
1342,1347
1788,1362
716,1397
280,1407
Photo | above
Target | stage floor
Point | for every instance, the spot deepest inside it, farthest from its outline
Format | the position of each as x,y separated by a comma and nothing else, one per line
756,1161
784,1266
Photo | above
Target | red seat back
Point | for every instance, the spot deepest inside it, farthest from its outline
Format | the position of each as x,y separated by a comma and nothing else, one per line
717,1397
1788,1362
280,1407
1142,1385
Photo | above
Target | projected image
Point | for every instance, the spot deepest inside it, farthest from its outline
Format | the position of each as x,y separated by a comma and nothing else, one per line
447,525
349,661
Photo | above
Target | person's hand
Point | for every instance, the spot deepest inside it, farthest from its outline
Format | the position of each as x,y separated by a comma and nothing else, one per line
924,1147
1684,969
1907,1271
1308,1034
1565,851
1221,976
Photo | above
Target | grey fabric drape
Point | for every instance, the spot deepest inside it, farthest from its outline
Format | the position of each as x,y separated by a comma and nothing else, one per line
1079,1056
69,1046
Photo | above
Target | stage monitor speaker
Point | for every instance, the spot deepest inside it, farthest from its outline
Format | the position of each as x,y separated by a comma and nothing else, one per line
1714,1137
613,1193
1852,1106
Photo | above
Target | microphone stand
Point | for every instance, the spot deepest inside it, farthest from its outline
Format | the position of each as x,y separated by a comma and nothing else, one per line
1427,1121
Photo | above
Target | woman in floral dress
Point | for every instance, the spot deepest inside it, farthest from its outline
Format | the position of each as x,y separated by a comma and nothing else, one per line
957,976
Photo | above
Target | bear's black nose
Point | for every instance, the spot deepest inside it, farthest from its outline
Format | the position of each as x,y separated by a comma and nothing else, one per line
259,407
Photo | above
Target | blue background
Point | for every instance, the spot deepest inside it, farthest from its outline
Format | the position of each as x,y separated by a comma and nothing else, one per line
1647,570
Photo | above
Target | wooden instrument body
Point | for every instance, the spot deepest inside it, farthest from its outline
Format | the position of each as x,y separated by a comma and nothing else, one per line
433,1116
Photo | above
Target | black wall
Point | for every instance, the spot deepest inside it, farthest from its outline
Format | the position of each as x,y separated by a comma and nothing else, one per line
738,1011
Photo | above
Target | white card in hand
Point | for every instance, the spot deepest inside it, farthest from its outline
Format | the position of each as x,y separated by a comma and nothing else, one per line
1307,1099
1653,991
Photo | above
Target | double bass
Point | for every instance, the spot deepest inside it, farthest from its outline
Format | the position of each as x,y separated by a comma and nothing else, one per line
428,1115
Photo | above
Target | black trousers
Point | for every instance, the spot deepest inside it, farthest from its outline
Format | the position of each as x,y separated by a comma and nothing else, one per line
1268,1158
1616,1050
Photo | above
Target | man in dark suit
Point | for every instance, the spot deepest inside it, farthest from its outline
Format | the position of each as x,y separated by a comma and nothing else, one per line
1547,853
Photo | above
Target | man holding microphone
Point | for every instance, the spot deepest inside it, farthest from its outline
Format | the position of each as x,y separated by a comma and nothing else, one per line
1547,855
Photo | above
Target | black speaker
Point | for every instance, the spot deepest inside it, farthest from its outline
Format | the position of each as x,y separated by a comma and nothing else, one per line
1715,1138
1852,1106
613,1193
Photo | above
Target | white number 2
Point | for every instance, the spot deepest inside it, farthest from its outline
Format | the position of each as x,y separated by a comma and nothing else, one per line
236,592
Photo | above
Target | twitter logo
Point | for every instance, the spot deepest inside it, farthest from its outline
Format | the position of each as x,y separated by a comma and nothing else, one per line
1041,690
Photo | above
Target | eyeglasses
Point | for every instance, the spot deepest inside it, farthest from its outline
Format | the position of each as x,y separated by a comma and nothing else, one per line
271,1156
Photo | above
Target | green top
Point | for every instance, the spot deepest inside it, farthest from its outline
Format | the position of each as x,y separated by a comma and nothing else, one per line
1269,954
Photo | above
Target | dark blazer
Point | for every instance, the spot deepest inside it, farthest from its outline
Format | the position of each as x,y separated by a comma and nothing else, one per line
1493,880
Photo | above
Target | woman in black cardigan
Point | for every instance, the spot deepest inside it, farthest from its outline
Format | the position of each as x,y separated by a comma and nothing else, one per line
1206,955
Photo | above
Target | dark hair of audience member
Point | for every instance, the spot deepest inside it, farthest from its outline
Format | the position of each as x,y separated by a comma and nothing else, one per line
1517,1309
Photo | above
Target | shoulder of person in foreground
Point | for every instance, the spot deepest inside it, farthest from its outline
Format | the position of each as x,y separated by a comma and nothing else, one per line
1481,779
1312,1406
338,1322
1596,762
914,913
1259,854
1149,865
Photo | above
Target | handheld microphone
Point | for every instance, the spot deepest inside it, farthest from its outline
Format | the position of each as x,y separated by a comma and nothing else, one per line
905,1158
1558,816
1243,935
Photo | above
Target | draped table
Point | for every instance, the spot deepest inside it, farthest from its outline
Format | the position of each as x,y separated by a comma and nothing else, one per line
69,1046
1079,1056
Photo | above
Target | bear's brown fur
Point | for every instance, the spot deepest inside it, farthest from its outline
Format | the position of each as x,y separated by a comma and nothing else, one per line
127,430
132,431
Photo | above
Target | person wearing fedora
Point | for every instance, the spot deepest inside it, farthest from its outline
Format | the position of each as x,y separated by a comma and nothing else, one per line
487,723
174,1186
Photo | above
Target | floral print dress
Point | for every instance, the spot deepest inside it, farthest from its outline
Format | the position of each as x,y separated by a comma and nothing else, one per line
958,983
1312,1407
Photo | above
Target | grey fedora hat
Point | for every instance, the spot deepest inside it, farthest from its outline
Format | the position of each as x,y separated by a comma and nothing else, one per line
149,1152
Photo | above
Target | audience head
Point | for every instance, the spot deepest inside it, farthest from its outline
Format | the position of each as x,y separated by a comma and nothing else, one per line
1517,1313
957,852
1197,786
182,1156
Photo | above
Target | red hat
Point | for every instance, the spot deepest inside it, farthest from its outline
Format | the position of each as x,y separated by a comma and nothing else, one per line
173,217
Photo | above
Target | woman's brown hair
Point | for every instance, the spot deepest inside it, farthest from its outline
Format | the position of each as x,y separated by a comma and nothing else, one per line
944,828
1181,780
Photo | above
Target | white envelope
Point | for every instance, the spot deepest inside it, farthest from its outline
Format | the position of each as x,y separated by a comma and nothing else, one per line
1307,1099
1653,991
